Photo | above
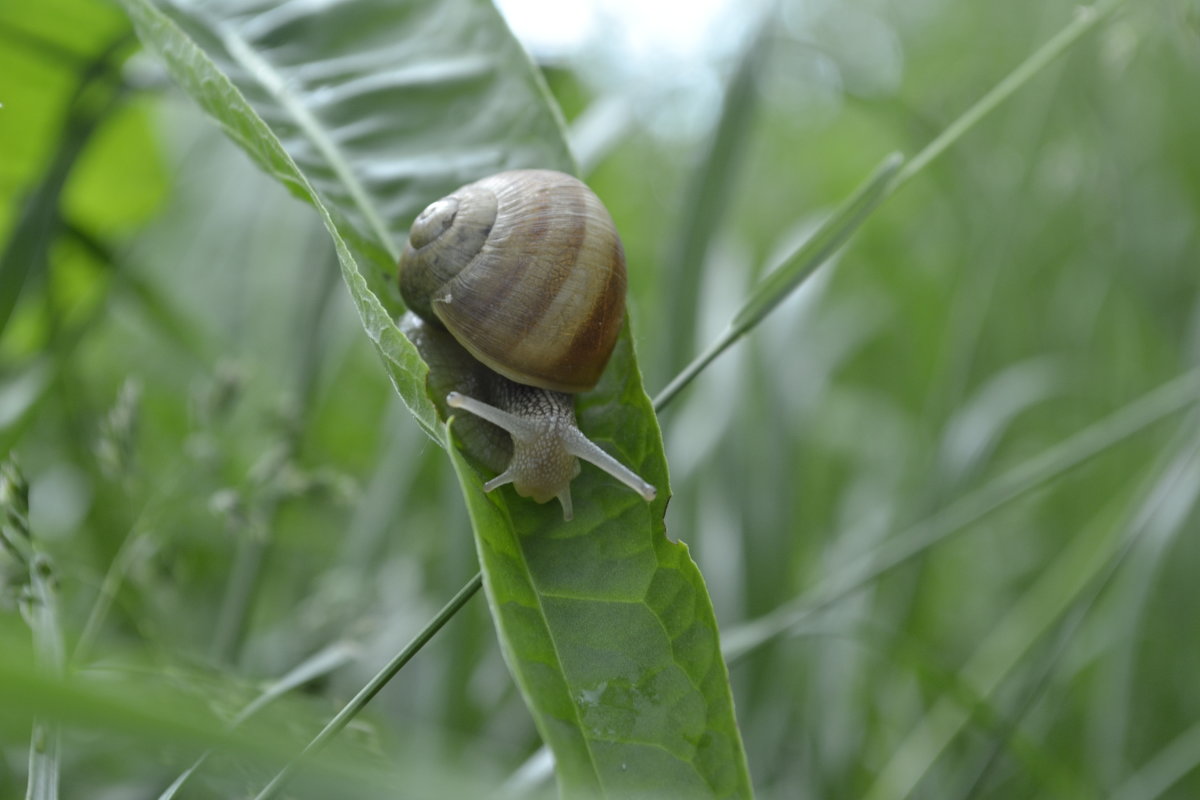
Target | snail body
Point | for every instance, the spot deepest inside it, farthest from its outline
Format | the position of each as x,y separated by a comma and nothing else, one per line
525,272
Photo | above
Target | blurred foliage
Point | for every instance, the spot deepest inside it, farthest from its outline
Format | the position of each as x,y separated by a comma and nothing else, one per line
226,483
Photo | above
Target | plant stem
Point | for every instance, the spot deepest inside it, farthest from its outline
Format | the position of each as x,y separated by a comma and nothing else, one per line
887,178
258,536
781,282
322,663
1086,18
1170,398
373,686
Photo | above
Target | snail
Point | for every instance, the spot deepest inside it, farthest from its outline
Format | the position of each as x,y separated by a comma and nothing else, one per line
517,284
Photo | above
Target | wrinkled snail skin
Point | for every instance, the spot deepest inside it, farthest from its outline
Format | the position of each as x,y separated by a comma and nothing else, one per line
526,273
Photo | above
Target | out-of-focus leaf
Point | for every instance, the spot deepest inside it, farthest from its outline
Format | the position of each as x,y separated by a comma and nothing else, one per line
192,68
120,180
834,232
975,429
40,60
319,664
41,611
128,703
709,193
1164,769
59,86
27,249
383,107
1165,500
1134,418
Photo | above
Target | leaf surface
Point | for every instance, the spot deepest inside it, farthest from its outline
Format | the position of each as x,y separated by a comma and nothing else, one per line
607,624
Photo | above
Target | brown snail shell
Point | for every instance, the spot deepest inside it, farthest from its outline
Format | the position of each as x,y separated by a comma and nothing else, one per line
526,273
526,270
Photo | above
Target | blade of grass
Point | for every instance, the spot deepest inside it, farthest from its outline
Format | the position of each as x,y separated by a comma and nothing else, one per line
41,611
887,178
1071,581
317,665
708,195
372,687
1178,758
1087,18
39,607
1179,467
1170,398
28,248
127,555
781,282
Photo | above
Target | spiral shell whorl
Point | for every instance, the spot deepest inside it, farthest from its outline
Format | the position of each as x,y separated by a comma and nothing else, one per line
526,270
444,240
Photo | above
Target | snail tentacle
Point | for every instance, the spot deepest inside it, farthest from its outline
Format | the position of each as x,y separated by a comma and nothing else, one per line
546,445
536,419
579,445
517,426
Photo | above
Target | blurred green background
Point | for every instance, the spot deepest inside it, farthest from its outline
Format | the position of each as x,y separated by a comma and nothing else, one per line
191,398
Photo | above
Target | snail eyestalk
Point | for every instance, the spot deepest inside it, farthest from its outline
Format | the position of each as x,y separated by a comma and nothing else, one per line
546,445
579,445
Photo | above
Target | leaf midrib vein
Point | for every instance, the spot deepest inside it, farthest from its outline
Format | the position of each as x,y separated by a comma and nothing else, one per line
587,740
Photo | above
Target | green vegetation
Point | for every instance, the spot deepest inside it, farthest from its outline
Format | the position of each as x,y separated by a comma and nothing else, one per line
936,454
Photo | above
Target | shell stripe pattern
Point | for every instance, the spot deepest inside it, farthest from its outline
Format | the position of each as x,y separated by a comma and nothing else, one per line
543,301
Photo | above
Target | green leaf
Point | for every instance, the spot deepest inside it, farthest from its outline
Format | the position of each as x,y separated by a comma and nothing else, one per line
1072,580
209,85
40,96
619,661
41,611
40,607
379,130
120,181
607,624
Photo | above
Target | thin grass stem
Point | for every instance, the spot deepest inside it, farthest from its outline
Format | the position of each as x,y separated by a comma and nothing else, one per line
885,181
781,282
322,663
1171,398
373,686
1086,20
